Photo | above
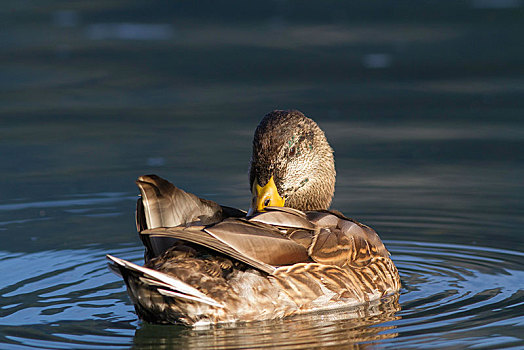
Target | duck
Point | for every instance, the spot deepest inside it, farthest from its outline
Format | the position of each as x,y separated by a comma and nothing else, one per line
289,254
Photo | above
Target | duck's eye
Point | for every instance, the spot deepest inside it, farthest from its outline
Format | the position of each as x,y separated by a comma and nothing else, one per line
266,202
292,151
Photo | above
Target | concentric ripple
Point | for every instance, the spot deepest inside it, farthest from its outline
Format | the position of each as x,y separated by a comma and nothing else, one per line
453,296
458,295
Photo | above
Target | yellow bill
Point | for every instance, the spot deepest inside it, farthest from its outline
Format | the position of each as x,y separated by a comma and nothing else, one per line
266,196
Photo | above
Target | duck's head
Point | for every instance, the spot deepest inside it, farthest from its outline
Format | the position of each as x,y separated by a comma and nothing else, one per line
292,164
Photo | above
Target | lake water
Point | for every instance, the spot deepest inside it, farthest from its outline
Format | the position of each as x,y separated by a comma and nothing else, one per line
422,102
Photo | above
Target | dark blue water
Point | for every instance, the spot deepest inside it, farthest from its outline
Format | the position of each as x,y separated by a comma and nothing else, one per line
422,103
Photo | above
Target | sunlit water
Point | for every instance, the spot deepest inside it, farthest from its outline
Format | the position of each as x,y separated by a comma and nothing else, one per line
422,105
453,295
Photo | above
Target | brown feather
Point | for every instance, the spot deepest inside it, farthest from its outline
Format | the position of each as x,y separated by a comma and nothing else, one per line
294,150
253,240
242,240
209,263
167,206
164,205
283,217
276,263
198,236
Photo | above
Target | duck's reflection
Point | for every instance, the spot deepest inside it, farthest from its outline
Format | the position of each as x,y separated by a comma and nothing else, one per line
355,328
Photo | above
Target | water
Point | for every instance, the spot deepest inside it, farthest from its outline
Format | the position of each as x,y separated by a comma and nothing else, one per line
422,104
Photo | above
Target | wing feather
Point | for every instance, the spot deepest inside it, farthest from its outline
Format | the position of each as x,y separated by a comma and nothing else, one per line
283,217
164,205
159,279
342,241
258,241
200,237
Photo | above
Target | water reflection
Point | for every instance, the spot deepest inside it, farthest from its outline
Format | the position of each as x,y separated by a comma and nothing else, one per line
129,31
69,297
356,328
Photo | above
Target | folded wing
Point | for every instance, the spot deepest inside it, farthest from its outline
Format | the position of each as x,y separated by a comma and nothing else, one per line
164,205
277,237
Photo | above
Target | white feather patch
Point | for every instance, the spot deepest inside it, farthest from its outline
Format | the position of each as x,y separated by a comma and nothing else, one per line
167,281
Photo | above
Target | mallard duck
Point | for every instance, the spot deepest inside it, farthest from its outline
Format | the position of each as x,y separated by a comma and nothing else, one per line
207,263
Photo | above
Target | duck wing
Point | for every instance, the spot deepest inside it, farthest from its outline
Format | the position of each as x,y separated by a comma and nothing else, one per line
164,205
259,245
277,237
283,217
344,241
329,237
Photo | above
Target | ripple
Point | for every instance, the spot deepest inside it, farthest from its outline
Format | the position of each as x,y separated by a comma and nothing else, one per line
452,296
458,293
53,299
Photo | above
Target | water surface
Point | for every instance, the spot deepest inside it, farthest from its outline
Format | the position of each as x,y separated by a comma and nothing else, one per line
422,104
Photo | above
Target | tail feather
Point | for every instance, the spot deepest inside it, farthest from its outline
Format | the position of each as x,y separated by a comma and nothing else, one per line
163,283
170,293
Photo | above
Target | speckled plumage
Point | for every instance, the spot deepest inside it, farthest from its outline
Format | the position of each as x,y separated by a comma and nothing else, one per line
207,263
293,149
